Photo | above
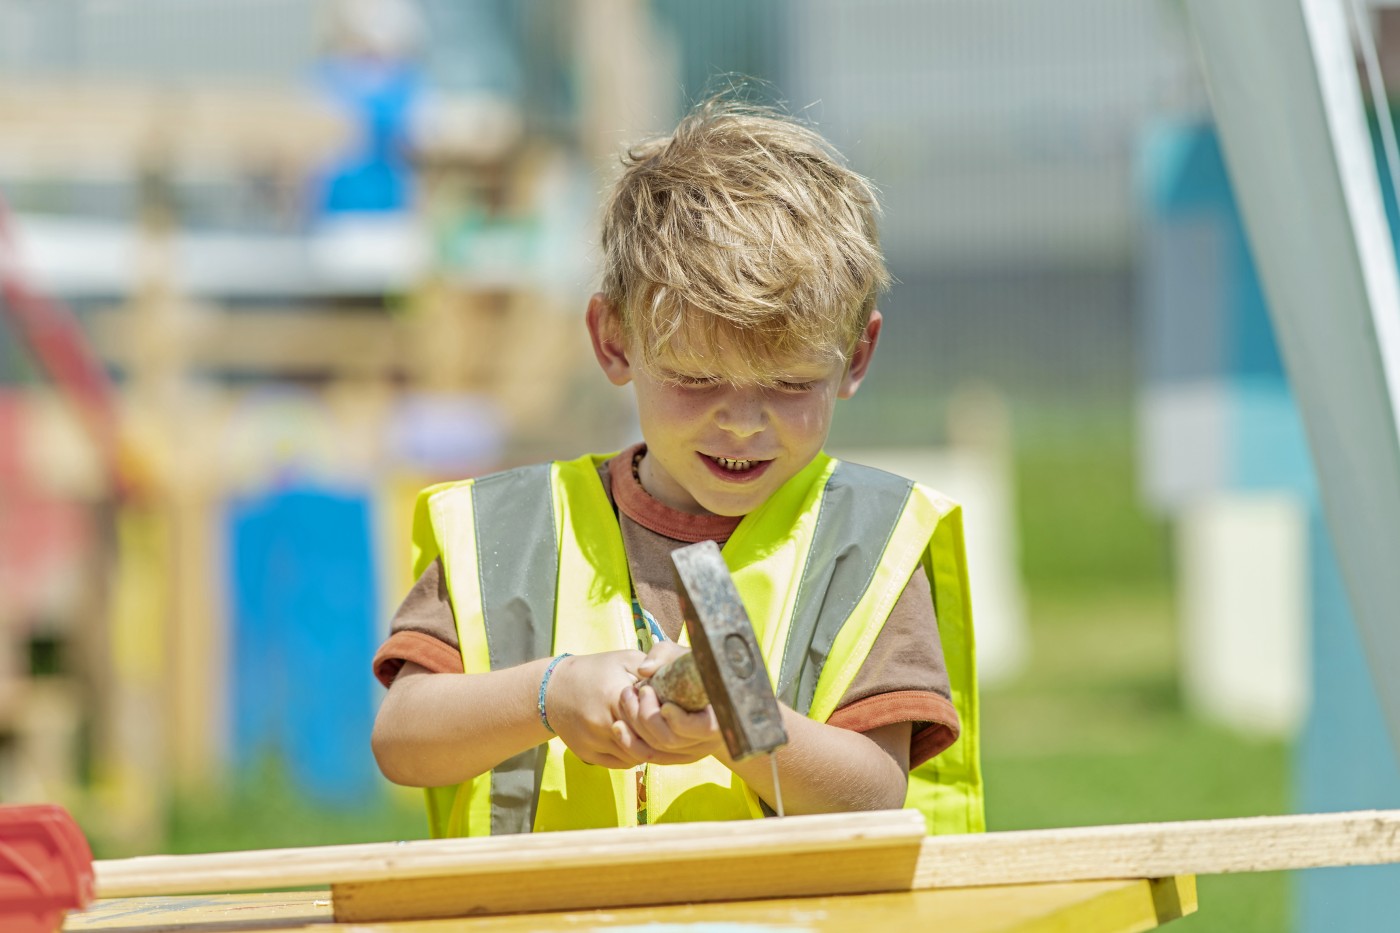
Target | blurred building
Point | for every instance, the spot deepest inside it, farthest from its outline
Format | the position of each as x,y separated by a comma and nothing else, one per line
324,355
1001,133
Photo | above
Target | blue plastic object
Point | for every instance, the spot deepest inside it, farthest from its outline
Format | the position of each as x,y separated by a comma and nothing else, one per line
305,627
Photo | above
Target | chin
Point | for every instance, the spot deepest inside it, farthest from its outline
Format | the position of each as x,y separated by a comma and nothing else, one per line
732,507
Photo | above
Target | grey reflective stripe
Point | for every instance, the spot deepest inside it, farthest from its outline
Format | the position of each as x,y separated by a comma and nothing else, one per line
858,513
518,568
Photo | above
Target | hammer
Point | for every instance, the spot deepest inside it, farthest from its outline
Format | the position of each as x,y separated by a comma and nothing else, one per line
724,667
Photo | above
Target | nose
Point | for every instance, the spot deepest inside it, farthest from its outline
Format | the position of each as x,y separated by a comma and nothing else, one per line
741,411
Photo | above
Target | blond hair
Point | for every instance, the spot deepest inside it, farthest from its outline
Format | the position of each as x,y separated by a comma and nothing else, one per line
742,230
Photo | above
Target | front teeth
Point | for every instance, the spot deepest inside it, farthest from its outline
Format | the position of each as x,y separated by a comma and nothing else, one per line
737,466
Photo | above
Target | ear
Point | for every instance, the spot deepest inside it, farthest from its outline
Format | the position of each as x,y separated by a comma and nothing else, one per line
860,356
605,331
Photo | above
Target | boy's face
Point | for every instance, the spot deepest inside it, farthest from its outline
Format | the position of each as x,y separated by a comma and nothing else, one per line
720,447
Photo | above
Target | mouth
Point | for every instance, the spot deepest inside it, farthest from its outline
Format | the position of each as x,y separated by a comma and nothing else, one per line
735,468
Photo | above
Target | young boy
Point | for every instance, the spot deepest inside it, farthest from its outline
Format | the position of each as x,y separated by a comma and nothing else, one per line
741,269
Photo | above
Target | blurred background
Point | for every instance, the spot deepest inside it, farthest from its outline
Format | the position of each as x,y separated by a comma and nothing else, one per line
267,267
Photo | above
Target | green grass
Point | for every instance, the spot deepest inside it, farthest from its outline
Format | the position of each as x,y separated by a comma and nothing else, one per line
1083,523
264,810
1095,733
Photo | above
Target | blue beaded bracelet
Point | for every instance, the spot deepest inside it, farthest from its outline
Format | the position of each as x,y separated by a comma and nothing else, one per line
544,685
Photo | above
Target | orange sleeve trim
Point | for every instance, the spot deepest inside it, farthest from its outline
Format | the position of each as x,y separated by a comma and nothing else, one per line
433,653
935,719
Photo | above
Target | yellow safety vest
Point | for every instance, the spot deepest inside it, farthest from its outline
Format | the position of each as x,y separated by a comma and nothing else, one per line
819,567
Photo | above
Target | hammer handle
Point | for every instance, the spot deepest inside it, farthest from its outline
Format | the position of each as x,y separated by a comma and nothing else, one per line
678,681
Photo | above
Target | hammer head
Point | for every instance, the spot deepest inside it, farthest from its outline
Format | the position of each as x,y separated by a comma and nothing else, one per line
726,652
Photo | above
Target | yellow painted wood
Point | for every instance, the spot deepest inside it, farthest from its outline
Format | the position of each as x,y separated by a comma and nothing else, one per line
1124,906
726,876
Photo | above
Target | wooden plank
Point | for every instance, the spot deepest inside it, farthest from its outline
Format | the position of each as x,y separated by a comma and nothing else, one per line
1082,906
727,875
198,636
207,913
891,838
1157,850
796,856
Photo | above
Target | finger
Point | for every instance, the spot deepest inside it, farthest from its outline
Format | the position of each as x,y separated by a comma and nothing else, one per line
603,756
658,656
683,757
652,725
648,703
687,726
653,663
646,722
604,760
630,745
627,705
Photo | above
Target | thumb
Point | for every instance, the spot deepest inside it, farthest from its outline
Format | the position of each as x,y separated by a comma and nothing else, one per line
654,662
631,660
661,653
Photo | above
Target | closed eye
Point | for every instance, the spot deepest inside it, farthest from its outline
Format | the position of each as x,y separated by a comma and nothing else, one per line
692,382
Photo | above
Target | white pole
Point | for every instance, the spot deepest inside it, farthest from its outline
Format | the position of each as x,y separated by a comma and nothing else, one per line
1288,107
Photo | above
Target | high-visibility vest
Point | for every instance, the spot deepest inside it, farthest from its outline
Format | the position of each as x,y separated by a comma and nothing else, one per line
819,567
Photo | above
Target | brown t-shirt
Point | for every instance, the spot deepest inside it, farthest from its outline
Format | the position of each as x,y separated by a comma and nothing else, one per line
903,678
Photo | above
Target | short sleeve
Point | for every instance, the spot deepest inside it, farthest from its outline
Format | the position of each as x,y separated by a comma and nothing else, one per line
904,678
424,630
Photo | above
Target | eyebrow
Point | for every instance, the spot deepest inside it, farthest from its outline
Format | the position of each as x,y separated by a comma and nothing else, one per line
689,372
769,379
795,371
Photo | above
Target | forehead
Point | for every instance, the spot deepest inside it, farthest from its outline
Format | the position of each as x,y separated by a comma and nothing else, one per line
742,358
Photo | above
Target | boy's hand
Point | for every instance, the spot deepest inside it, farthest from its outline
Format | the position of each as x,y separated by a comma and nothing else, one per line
668,734
584,700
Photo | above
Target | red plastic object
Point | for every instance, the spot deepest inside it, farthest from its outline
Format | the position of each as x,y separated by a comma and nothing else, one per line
45,868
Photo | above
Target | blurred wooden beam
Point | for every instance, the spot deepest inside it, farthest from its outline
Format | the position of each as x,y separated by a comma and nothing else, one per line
113,128
293,342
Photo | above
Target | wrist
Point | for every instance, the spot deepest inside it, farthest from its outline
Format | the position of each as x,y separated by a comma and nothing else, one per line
542,700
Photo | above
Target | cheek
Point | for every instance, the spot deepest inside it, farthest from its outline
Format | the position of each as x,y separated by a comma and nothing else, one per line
669,410
808,417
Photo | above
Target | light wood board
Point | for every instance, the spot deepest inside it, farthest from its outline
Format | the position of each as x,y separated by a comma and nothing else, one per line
796,856
889,839
1159,850
1084,906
